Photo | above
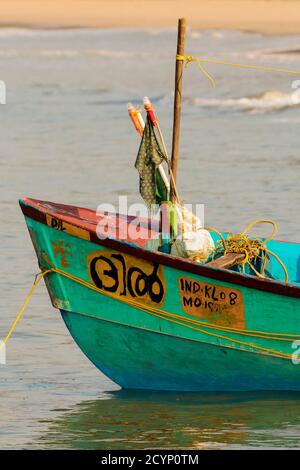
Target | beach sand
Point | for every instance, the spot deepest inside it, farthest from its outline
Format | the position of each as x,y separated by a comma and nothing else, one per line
266,16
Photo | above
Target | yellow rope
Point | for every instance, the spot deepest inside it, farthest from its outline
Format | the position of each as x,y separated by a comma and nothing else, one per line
242,343
255,333
262,221
187,59
253,249
174,318
163,314
38,279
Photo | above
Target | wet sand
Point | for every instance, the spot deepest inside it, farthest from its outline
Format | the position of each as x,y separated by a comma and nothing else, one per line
265,16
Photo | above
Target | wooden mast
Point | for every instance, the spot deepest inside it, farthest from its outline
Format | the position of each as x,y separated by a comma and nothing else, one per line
177,99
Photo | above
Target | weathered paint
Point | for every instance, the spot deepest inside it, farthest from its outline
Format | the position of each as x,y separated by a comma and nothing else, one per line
80,217
218,305
143,359
127,277
140,350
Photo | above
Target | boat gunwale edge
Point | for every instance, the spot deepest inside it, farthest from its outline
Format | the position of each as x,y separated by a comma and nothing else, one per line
267,285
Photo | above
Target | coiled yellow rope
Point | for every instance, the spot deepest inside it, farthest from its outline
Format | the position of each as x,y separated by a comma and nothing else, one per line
253,248
188,59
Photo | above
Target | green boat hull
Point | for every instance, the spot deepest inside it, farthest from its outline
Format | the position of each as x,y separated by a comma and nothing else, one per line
136,358
149,321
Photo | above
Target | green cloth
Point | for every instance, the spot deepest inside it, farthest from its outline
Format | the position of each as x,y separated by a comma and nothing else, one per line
174,221
152,187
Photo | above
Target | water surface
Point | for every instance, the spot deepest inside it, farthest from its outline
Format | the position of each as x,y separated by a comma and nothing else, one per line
65,136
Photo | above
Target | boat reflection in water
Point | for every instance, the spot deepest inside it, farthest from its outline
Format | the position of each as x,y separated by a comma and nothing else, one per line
149,420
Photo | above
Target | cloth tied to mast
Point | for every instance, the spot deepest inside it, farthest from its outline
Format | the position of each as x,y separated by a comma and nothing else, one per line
150,155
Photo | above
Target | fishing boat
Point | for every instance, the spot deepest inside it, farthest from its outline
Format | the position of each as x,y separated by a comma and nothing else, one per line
150,318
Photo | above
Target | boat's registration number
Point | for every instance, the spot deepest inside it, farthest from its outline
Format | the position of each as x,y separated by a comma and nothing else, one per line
217,304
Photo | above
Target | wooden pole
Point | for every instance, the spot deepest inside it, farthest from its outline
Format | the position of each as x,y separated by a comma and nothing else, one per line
177,98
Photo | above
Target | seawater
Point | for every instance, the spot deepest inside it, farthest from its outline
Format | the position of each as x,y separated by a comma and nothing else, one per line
66,137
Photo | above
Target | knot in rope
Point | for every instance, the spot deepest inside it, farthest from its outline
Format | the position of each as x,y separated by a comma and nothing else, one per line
188,59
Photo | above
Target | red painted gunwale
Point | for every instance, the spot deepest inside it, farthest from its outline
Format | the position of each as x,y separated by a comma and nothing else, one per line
88,219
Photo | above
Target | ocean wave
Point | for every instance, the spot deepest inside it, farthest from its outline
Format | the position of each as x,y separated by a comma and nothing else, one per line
92,52
70,53
112,53
291,51
265,102
10,32
287,120
59,53
7,53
